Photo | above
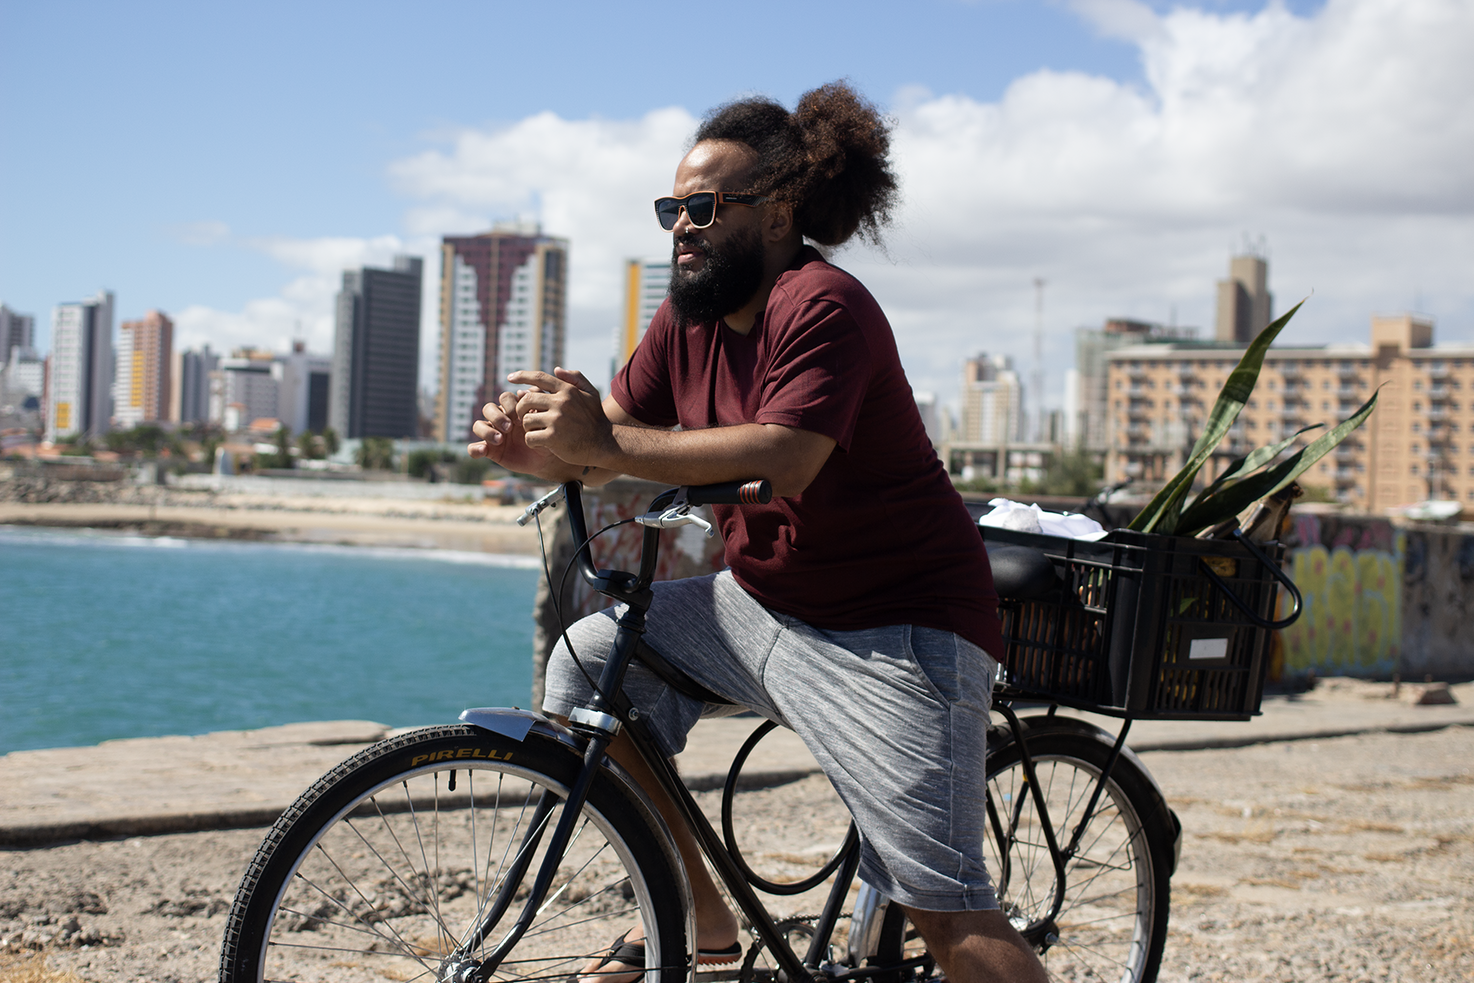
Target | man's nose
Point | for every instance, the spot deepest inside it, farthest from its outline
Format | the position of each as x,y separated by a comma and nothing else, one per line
683,224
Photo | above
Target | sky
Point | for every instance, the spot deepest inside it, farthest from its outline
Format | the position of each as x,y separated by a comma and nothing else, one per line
226,162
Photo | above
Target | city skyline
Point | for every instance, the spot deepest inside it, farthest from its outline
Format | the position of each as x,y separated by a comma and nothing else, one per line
1118,150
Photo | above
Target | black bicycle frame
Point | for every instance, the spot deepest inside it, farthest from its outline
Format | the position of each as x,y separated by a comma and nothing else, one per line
609,698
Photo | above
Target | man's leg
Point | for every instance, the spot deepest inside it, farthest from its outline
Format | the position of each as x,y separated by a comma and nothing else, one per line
977,946
716,926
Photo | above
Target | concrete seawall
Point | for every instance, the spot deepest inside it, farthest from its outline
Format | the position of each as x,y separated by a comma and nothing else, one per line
234,779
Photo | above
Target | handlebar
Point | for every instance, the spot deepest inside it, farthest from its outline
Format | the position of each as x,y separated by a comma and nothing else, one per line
666,510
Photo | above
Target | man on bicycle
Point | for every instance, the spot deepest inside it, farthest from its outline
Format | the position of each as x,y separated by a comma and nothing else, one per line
857,607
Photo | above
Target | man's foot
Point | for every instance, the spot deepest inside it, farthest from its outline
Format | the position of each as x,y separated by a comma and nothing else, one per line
624,961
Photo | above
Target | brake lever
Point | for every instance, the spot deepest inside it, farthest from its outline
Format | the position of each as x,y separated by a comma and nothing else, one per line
678,514
536,508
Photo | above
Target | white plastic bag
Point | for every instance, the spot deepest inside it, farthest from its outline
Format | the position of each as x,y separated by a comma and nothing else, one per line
1008,514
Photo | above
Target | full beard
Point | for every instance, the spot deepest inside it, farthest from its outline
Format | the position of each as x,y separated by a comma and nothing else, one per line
728,278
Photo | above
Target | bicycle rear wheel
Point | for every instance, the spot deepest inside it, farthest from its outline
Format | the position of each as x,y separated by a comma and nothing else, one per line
1112,921
385,868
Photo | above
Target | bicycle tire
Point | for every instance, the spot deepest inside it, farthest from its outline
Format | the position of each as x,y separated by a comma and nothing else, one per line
341,886
1112,924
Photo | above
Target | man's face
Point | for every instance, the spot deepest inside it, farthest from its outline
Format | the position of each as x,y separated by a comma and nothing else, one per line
715,270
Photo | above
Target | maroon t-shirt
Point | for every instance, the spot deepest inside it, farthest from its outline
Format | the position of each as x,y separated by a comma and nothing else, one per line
880,537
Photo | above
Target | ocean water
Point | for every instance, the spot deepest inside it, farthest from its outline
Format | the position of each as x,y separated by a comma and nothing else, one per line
108,636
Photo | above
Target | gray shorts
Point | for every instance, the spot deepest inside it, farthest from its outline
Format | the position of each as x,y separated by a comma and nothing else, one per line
897,717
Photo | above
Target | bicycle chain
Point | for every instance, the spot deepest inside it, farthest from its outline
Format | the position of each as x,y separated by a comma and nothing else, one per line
784,926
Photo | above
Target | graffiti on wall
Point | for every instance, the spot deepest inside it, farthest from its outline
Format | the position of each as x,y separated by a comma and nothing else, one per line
1350,576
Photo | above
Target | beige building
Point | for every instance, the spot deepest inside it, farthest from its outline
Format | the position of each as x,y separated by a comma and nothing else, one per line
646,282
145,359
1418,445
1245,305
989,440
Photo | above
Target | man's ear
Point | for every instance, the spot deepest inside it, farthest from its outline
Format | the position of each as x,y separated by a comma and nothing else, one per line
779,221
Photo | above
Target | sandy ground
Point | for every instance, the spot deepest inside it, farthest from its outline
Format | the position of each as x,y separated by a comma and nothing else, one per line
449,524
1347,859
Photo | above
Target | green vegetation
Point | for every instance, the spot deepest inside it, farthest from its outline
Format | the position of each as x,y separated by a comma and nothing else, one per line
421,462
376,454
470,471
976,486
282,457
1072,474
145,440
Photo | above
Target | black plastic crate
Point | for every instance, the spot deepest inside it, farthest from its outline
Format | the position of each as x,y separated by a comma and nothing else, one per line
1138,628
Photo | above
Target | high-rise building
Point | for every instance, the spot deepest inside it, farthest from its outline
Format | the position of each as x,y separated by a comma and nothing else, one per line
1245,305
80,385
502,308
1086,424
646,282
992,401
376,352
1418,445
926,405
22,380
302,395
189,400
244,388
145,358
16,331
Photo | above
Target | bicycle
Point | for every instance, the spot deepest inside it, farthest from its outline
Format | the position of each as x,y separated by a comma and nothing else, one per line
509,847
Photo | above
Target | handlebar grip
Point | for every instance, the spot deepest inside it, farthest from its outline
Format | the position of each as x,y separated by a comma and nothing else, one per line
756,492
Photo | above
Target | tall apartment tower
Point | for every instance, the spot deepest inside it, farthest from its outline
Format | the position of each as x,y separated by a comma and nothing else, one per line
992,401
646,282
16,331
145,361
302,397
189,401
244,388
1245,305
502,308
376,352
81,379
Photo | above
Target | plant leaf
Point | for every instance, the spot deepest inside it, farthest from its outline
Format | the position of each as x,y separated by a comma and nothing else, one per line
1252,462
1239,495
1162,512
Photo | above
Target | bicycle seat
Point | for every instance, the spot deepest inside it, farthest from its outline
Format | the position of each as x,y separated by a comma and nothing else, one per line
1021,573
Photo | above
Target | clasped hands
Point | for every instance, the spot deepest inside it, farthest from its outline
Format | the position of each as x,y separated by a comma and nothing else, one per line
559,418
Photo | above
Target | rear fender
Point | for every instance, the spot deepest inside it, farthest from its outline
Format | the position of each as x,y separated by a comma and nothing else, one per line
1000,736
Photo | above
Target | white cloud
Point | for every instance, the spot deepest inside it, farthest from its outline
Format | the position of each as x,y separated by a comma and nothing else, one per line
590,181
1341,138
304,309
1129,20
200,233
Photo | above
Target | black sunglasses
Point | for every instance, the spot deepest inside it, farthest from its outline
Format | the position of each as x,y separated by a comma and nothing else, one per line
701,207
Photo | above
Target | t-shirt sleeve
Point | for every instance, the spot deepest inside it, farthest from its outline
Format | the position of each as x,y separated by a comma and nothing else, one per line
819,373
643,385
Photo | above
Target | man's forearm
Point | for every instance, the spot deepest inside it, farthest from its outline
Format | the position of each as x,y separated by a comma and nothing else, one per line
787,457
590,475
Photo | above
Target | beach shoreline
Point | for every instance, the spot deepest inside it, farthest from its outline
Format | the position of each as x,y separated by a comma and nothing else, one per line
451,525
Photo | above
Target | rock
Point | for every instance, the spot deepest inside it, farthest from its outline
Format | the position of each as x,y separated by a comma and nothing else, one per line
1435,694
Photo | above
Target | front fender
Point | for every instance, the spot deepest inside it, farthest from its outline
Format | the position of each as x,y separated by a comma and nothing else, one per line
517,724
514,723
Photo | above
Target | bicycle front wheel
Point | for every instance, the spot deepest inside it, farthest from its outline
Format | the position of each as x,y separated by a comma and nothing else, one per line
412,860
1108,921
